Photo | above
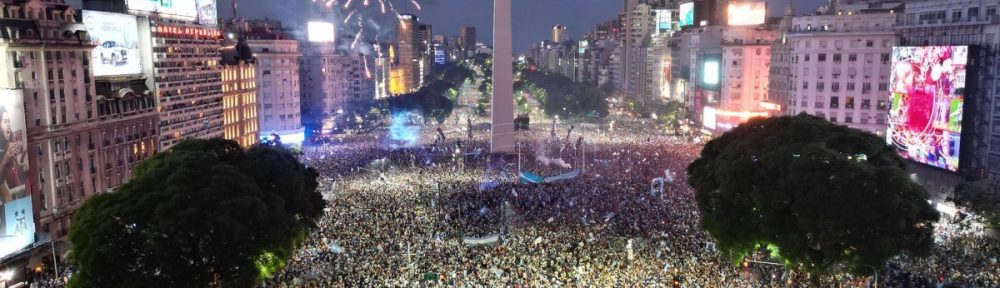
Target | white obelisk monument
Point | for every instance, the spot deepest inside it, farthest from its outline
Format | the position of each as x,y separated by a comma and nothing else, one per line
502,132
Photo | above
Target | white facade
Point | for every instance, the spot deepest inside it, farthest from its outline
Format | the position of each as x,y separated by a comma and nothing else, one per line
330,81
279,108
840,66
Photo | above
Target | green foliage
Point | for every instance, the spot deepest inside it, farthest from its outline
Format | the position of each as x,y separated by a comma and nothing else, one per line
672,113
566,98
438,95
819,194
198,215
982,198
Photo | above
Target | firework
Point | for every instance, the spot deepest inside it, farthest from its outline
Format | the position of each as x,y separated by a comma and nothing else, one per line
415,4
349,15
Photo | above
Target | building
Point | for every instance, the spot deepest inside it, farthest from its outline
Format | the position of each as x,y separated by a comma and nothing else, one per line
639,25
331,82
962,23
69,131
467,39
239,94
560,34
277,73
840,65
187,76
746,65
780,78
409,50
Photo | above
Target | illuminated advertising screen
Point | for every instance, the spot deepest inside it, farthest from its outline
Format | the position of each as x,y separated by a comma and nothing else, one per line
687,14
116,40
663,21
927,87
320,31
208,14
747,13
710,73
16,217
181,8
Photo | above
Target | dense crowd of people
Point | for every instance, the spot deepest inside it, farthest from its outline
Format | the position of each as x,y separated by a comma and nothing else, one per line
406,222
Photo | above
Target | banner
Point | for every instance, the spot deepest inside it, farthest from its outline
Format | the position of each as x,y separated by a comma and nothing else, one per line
473,241
564,176
528,177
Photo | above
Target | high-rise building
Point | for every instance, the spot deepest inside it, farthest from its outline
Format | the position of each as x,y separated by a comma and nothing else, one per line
331,81
187,75
841,67
425,40
239,93
560,34
467,38
637,37
277,73
409,50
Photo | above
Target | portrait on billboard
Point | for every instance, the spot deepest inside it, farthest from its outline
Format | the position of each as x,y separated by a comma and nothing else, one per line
116,37
16,218
687,14
927,88
208,14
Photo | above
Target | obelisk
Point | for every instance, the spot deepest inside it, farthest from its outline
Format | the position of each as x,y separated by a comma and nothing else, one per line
502,128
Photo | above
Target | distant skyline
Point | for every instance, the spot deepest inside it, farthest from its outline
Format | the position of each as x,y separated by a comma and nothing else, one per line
533,19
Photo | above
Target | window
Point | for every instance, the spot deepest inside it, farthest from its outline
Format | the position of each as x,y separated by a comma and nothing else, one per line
805,85
849,103
850,87
883,105
882,87
835,87
956,15
836,58
870,43
834,102
852,57
973,13
821,57
820,86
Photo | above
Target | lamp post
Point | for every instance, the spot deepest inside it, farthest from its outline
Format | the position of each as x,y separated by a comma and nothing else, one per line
874,273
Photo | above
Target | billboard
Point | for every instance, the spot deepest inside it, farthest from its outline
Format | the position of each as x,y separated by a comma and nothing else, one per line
18,222
710,73
687,14
181,8
927,87
116,37
16,217
663,21
208,14
747,13
320,31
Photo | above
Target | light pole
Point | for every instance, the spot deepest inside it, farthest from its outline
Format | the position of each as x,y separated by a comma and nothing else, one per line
874,273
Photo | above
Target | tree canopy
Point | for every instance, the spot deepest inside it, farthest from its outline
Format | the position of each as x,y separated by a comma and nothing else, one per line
563,97
982,198
816,195
203,214
437,97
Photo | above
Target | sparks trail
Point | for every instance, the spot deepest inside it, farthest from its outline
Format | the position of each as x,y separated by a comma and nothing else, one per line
415,4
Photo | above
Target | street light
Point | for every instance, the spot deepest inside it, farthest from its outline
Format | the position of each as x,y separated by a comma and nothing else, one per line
874,272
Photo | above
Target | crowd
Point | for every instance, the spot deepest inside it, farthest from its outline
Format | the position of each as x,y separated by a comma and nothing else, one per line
405,225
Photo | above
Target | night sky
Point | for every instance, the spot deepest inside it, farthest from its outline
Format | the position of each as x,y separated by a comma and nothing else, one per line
533,19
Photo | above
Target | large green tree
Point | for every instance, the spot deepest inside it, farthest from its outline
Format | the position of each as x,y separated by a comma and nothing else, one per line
203,214
817,195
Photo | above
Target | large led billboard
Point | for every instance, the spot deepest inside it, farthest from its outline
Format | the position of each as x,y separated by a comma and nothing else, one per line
208,14
710,73
320,31
16,217
927,87
747,13
116,40
687,14
663,21
181,8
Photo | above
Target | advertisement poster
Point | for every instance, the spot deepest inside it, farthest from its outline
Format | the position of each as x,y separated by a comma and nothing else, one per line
208,14
687,14
17,219
180,8
117,39
927,87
